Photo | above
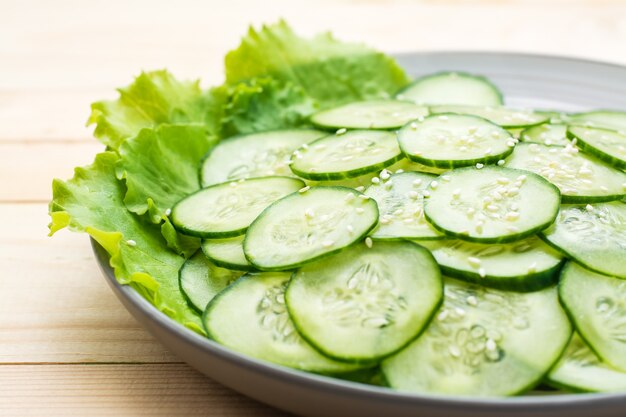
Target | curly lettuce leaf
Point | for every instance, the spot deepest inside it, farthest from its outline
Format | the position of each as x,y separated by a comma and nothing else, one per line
93,202
264,104
329,71
154,98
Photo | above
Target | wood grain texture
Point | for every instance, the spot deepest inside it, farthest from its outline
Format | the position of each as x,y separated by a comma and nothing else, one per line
67,346
119,390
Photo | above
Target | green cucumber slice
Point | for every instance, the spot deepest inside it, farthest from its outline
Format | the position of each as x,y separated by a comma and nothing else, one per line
251,317
483,342
607,145
597,306
401,206
454,140
254,155
365,303
507,118
307,225
227,209
452,88
491,204
580,370
373,114
346,155
546,134
607,119
200,280
525,265
593,235
227,253
580,178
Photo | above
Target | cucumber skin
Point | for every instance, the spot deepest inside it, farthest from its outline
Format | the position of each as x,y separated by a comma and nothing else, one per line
180,288
601,155
228,265
215,235
506,127
377,360
480,78
299,264
333,176
538,281
450,163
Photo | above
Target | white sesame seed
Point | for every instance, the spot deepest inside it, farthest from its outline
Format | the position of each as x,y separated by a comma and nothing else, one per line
459,311
305,147
463,148
360,188
384,174
341,131
399,171
434,184
511,215
304,189
408,220
233,184
384,220
168,212
488,151
522,178
360,210
443,118
471,300
493,207
479,165
470,211
501,162
328,243
510,143
503,180
482,273
368,242
349,197
454,351
445,178
389,184
456,193
442,315
349,228
364,197
490,345
131,242
472,129
375,180
512,229
417,182
398,212
604,188
309,213
474,261
413,125
413,194
426,193
589,207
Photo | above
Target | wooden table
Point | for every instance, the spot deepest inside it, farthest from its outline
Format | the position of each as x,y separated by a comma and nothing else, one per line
67,346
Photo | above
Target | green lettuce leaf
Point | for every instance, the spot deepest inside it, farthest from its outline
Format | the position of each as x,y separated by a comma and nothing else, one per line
264,104
329,71
93,202
154,98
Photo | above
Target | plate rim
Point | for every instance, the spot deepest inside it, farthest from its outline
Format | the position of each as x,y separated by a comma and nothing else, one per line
337,386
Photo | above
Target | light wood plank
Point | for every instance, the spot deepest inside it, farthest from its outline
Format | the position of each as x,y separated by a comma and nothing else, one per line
27,168
116,390
56,306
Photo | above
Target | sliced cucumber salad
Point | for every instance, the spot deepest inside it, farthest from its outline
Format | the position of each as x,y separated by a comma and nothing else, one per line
364,220
330,215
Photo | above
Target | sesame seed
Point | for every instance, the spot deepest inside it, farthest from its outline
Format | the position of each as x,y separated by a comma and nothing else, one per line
364,197
168,212
304,189
375,180
474,261
445,178
309,213
479,165
532,267
389,184
443,315
399,171
131,242
420,119
349,197
522,178
503,180
482,273
413,125
443,118
327,243
384,174
360,210
349,228
456,193
488,151
398,212
368,242
360,188
459,311
492,207
408,220
384,220
470,211
434,184
472,129
512,229
341,131
463,148
589,207
471,300
454,351
413,194
417,182
501,162
426,193
511,215
490,345
604,188
233,184
305,147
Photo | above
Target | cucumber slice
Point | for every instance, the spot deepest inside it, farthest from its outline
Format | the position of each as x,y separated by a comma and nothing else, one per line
454,140
227,253
597,306
346,155
305,226
580,178
401,206
251,317
373,114
452,88
525,265
227,209
604,144
546,134
365,303
593,235
608,119
483,342
507,118
254,155
491,204
200,280
580,370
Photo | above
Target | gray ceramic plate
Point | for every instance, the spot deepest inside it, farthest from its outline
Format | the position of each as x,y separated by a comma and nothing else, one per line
526,81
